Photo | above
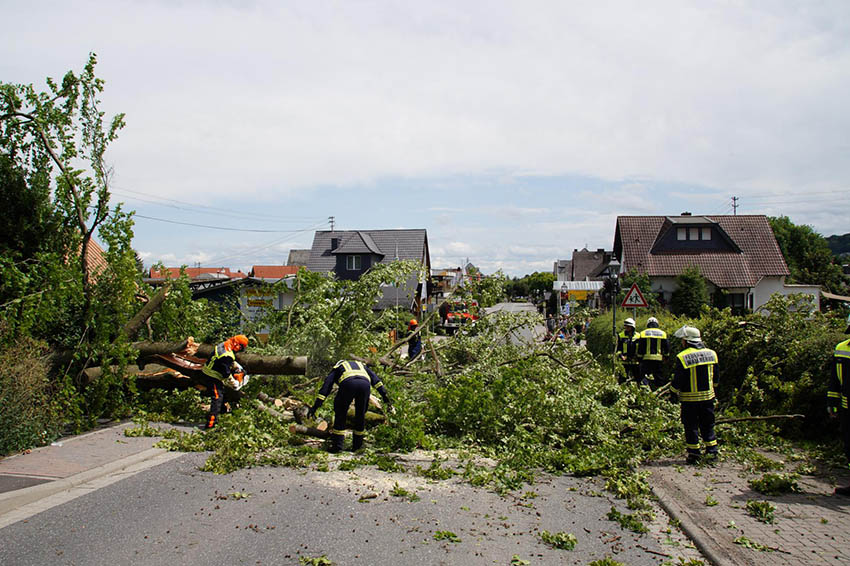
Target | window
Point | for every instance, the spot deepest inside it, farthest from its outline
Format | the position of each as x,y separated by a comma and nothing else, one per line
352,262
694,234
682,234
706,233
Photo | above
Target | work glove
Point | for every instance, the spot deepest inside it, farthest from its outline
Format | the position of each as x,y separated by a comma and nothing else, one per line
233,383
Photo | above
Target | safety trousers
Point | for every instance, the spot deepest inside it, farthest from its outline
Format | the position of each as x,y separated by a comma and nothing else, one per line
845,432
215,389
651,368
698,420
355,389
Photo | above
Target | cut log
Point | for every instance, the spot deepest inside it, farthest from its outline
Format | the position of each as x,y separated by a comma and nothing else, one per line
308,430
285,415
253,363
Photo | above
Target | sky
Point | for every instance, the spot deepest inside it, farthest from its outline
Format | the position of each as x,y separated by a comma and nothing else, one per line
514,132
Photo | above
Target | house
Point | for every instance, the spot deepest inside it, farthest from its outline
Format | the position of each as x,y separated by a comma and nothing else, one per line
348,254
197,273
95,260
736,254
298,257
272,273
563,270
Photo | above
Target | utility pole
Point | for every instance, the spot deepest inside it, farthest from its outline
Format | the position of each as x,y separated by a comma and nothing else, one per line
331,220
735,206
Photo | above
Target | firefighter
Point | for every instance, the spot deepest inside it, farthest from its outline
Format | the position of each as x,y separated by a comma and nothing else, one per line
627,349
652,346
414,345
837,395
222,367
355,381
693,382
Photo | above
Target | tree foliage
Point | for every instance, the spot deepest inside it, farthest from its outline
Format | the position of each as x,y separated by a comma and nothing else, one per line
807,254
533,286
55,190
691,293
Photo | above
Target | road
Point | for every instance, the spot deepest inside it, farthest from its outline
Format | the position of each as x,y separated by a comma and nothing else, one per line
175,514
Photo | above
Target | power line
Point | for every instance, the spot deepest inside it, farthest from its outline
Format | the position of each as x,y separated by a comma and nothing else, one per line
249,251
214,227
195,207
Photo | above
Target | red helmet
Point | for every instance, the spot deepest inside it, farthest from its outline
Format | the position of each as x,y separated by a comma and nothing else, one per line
239,340
413,322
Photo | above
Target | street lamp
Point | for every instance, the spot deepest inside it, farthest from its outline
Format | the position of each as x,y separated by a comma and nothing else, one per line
564,289
613,275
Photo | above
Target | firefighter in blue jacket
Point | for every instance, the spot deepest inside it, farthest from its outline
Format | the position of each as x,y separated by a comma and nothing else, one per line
627,349
837,396
652,346
414,346
693,382
355,381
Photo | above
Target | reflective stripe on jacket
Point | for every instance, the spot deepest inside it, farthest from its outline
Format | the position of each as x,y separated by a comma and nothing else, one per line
652,344
694,379
839,389
221,355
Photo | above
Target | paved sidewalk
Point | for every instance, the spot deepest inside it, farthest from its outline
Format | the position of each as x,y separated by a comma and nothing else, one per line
30,482
810,527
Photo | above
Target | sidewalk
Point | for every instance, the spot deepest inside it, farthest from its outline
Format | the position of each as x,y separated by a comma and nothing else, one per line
810,527
30,482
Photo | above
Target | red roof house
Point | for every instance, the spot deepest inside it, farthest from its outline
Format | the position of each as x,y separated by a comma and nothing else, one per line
273,271
737,254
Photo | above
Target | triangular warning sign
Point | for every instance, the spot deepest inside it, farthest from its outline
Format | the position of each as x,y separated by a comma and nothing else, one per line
634,298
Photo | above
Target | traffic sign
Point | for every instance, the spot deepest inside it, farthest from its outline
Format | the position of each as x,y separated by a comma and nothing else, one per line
634,298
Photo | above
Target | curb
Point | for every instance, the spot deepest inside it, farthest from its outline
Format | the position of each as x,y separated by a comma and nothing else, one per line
23,503
705,544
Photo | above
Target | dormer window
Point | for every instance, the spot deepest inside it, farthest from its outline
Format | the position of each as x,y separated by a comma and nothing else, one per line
352,263
693,234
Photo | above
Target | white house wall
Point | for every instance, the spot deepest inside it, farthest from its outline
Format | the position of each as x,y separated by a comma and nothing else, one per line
770,285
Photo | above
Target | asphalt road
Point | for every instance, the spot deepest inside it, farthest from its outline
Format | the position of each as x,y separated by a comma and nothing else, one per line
175,514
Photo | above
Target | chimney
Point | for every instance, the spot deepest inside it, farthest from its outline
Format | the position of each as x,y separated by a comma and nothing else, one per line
686,213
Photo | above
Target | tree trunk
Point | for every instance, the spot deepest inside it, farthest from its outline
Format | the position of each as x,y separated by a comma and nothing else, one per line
153,305
253,363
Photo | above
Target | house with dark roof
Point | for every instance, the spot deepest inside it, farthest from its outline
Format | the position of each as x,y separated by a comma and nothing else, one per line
736,254
586,265
348,254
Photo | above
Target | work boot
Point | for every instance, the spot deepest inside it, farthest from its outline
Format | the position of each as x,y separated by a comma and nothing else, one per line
357,442
845,491
692,459
336,443
710,458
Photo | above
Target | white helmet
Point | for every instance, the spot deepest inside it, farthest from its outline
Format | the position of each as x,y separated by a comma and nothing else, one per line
629,322
689,333
652,322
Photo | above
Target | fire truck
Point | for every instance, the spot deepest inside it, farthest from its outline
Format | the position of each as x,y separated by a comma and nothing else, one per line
455,314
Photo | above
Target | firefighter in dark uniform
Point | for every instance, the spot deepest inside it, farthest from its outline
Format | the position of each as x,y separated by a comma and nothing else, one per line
652,346
627,349
693,382
414,345
221,367
355,381
837,396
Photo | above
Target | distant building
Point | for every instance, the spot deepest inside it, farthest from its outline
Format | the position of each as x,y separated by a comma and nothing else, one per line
585,265
349,254
298,257
736,254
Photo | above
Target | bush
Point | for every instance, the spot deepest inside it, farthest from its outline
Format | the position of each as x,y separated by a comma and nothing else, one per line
31,410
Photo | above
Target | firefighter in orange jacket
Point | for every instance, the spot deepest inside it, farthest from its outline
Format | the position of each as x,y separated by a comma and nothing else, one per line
221,367
355,381
837,396
693,382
